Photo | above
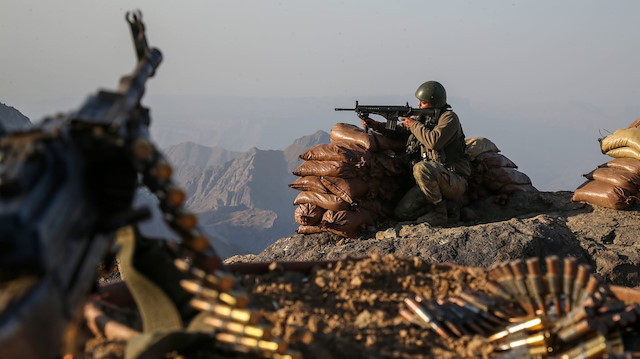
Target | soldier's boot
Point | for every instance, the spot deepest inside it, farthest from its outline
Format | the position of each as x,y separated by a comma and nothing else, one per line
437,216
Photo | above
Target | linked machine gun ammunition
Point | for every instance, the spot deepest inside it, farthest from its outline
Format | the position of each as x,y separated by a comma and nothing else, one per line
66,198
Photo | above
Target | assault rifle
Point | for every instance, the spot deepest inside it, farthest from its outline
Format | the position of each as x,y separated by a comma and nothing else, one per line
391,113
66,185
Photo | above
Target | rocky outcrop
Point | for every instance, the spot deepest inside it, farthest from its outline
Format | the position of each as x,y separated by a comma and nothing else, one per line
528,225
12,119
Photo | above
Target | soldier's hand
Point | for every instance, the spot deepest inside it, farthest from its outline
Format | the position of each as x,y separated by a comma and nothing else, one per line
407,121
367,122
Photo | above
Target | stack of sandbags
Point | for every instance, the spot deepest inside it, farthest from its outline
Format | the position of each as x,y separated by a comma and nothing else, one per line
492,172
615,183
347,184
612,185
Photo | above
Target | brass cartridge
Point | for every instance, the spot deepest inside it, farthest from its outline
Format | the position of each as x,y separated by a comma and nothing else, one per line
218,279
567,284
254,331
580,282
539,339
519,270
224,311
531,325
576,330
591,349
535,283
426,316
444,316
592,286
554,282
234,299
253,344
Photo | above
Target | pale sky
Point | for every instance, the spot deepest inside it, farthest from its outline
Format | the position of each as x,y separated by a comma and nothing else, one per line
485,51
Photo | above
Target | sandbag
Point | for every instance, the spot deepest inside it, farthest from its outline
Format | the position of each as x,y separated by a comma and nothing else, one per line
496,178
326,201
630,165
382,165
624,152
302,229
309,183
494,160
624,137
348,189
386,188
373,141
338,151
478,145
308,214
616,177
327,168
635,124
603,195
377,207
346,223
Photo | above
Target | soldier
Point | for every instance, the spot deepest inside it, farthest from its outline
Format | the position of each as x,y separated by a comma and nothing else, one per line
436,151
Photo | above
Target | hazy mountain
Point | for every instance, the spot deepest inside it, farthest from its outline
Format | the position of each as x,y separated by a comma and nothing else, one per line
188,159
12,119
246,201
293,151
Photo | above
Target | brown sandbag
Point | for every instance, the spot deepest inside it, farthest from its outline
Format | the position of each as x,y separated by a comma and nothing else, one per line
347,189
385,188
496,178
494,160
511,188
630,165
377,207
624,152
373,141
346,223
309,183
603,195
308,214
309,229
326,201
616,177
327,168
624,137
381,165
338,151
635,124
478,145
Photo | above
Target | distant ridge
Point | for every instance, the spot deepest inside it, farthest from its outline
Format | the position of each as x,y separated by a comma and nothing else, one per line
241,198
12,119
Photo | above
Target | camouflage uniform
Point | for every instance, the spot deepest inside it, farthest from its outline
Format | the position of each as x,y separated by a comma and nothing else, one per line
436,150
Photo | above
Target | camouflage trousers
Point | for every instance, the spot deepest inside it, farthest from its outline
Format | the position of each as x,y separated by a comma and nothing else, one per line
434,183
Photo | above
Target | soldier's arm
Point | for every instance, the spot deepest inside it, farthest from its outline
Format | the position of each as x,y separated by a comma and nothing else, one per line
441,134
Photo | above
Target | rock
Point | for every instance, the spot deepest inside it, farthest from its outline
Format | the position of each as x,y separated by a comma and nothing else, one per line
528,225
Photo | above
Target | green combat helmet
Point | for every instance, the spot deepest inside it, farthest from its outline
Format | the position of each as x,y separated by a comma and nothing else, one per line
432,92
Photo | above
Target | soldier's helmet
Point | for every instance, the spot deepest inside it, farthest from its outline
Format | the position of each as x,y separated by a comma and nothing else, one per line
432,92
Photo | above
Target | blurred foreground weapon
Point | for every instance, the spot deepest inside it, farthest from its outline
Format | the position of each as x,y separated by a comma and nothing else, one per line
391,113
66,186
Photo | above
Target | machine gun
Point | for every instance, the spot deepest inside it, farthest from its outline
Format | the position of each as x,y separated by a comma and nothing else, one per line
66,186
391,113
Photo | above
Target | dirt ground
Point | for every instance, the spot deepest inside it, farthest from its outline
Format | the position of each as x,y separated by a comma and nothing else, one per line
349,309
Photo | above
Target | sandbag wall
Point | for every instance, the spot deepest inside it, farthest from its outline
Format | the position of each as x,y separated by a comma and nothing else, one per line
614,184
347,184
492,172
